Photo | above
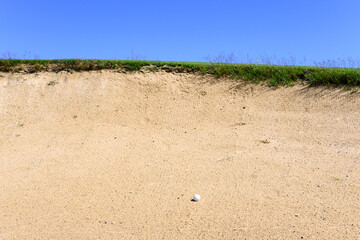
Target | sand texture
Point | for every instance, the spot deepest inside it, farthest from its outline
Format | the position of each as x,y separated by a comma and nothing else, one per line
107,155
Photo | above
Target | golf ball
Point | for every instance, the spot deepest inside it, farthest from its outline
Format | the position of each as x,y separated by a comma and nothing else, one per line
196,197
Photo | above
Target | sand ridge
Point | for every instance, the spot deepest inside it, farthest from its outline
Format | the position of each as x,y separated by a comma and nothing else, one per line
119,156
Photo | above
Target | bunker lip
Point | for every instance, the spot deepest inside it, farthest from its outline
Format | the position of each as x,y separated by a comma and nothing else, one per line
272,75
104,154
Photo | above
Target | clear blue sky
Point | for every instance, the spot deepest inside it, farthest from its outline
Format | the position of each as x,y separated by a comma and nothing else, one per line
180,30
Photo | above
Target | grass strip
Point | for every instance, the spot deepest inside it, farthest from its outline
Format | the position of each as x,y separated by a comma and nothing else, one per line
273,75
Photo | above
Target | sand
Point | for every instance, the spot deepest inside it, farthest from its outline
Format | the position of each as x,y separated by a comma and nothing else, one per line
108,155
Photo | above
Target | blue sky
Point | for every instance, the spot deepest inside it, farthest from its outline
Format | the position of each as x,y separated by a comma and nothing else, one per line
180,30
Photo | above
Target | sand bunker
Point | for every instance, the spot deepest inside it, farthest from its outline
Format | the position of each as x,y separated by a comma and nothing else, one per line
119,156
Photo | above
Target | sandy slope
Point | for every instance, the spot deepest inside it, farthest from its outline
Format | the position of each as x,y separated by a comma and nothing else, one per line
119,156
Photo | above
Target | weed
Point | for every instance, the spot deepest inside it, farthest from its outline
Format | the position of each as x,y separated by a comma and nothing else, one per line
52,83
354,90
203,93
238,87
151,69
136,56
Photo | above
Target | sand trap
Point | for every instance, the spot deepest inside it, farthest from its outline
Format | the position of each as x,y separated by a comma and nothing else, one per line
119,156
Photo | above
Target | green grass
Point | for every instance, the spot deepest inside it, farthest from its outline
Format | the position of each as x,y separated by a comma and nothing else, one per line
273,75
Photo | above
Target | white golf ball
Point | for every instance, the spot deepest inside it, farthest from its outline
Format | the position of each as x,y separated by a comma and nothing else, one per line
196,197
